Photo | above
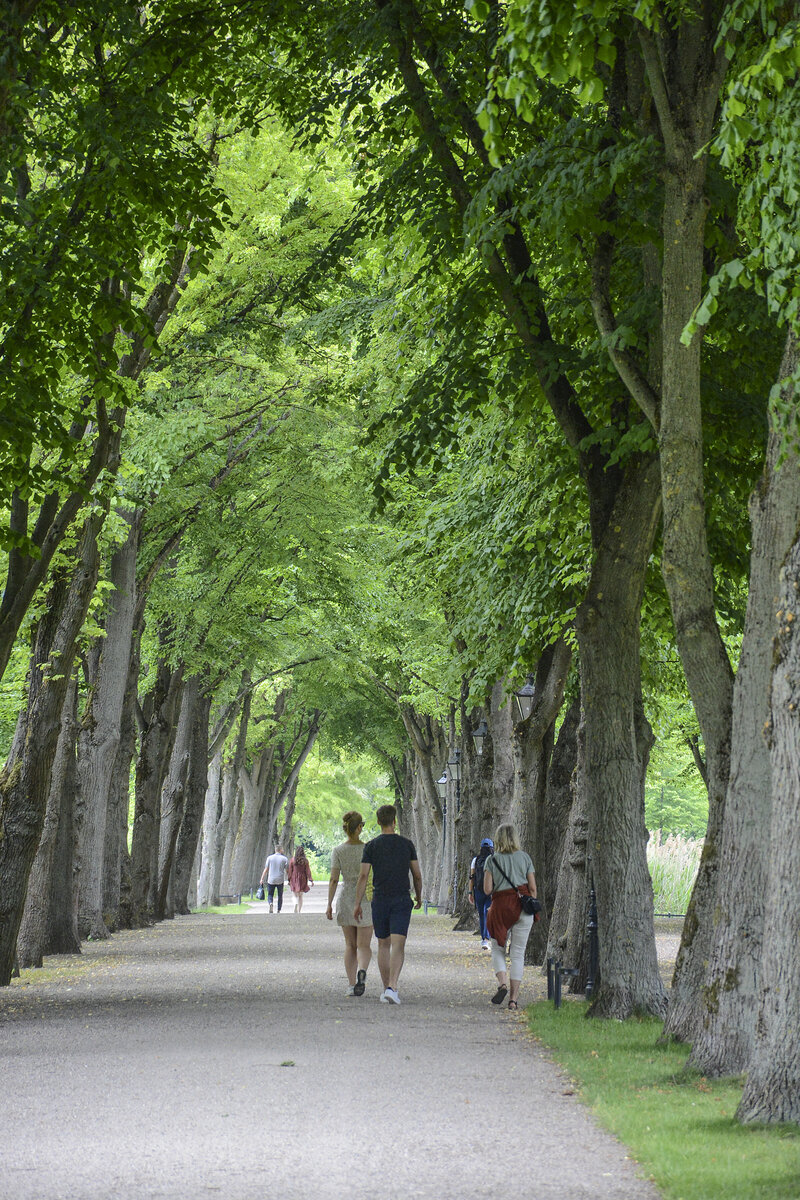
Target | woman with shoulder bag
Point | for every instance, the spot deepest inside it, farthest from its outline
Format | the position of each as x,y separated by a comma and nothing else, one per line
508,878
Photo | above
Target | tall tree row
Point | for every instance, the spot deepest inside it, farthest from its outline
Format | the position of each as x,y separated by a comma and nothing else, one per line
352,395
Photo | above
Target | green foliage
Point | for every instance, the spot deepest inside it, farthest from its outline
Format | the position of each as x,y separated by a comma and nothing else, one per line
328,789
676,799
756,143
105,175
679,1126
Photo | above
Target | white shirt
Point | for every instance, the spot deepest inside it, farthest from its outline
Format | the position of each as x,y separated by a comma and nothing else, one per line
276,865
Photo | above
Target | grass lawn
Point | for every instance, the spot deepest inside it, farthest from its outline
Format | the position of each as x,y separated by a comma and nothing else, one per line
226,910
678,1125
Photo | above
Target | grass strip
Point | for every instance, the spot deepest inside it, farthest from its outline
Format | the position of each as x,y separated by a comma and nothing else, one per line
678,1125
225,910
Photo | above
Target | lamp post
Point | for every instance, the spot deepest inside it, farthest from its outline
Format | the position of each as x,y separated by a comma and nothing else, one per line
455,775
524,698
480,734
594,949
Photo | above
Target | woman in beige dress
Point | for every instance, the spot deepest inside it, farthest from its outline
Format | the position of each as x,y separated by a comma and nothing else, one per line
346,862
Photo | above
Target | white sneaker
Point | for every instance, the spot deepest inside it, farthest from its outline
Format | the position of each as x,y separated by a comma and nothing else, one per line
390,996
485,945
382,997
351,991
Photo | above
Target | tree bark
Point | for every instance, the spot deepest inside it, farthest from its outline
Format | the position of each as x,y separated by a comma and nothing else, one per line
117,903
33,937
724,1037
254,785
567,936
62,921
686,69
558,807
154,751
25,779
532,743
616,750
99,736
210,843
772,1088
194,795
173,796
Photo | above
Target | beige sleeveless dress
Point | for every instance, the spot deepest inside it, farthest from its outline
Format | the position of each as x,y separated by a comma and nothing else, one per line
348,859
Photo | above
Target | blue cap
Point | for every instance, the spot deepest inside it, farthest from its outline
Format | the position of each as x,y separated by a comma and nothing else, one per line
488,842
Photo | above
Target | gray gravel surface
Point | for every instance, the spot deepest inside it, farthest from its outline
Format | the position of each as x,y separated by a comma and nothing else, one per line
219,1055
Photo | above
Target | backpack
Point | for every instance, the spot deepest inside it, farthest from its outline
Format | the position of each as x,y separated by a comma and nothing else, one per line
480,865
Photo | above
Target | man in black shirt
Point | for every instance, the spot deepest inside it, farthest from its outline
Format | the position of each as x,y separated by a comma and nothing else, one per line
390,857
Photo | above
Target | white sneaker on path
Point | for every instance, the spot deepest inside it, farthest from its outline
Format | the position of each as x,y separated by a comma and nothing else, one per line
390,996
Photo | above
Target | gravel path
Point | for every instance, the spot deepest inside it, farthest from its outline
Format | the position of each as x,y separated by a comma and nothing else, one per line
219,1056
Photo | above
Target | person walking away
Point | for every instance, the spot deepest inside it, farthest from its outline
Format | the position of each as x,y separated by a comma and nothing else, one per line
275,874
508,871
299,877
390,857
346,862
477,895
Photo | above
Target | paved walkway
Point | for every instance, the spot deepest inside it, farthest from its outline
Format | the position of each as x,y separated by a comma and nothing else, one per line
218,1056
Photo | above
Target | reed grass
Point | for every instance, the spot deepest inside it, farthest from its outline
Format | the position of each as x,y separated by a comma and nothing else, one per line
673,861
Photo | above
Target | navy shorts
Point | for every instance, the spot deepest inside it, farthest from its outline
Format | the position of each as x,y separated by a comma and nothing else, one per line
391,914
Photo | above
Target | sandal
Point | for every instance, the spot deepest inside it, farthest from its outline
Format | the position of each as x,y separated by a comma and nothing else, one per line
512,1004
500,995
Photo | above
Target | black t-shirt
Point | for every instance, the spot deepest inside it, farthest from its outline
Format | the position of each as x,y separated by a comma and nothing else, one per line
389,855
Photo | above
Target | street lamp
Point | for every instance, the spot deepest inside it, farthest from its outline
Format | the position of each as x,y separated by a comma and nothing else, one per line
441,784
455,763
479,734
524,697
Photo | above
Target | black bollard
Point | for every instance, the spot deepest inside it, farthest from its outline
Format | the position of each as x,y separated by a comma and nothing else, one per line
594,945
549,979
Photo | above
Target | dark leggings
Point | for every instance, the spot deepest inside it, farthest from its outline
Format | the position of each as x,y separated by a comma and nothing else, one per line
272,888
482,902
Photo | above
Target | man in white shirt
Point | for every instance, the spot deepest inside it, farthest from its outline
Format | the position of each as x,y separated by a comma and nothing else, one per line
275,875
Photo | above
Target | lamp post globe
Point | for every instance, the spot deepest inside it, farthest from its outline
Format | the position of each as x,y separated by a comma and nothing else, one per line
480,734
524,698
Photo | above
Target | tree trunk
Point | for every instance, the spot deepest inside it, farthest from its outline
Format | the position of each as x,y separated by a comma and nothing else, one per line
686,65
724,1038
25,779
33,937
558,809
99,736
532,744
567,935
62,921
154,751
172,797
228,824
616,754
210,845
196,783
232,796
286,837
772,1089
254,785
117,870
